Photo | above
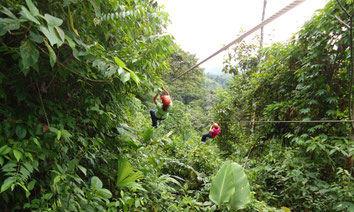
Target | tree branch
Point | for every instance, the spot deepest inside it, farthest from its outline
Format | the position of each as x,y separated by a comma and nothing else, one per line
341,6
40,97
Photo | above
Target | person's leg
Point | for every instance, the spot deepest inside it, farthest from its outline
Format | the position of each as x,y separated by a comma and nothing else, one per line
153,118
206,135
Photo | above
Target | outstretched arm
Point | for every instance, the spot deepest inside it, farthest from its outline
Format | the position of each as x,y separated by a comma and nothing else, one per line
155,99
166,92
211,128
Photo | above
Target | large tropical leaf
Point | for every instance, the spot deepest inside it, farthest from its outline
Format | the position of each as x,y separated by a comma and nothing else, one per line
126,175
241,195
222,186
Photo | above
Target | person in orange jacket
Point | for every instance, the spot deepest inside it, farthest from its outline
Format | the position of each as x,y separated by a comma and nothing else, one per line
213,132
162,108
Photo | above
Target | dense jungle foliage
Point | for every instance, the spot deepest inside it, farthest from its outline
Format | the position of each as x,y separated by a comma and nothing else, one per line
77,84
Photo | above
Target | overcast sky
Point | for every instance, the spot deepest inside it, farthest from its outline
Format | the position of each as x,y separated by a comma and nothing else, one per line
202,27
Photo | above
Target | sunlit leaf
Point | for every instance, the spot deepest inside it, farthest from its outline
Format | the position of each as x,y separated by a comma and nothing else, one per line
126,175
8,13
18,154
105,193
7,183
96,183
119,62
241,196
32,7
125,76
134,77
222,186
60,33
5,150
53,21
51,35
27,15
52,55
83,169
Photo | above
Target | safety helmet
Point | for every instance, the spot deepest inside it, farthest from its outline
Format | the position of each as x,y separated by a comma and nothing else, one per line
166,100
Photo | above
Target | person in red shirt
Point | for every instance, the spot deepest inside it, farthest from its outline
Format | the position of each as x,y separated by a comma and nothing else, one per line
162,108
213,132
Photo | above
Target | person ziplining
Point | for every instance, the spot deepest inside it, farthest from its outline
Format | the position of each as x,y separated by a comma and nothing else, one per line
213,132
162,108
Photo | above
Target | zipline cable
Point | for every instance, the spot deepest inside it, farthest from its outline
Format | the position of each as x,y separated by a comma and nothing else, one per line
263,23
309,121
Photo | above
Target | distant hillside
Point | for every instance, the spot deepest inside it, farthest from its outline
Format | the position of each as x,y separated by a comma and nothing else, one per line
213,70
214,81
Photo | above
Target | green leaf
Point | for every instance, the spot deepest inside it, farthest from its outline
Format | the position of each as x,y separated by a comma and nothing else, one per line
127,182
21,132
52,55
124,169
7,183
31,185
51,35
35,37
71,43
223,185
29,54
119,62
18,155
28,166
83,169
7,24
148,134
58,135
125,76
241,196
134,76
4,150
60,33
8,13
47,196
56,179
53,21
32,7
66,135
126,174
35,140
105,193
3,28
72,165
27,15
305,110
110,71
96,183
